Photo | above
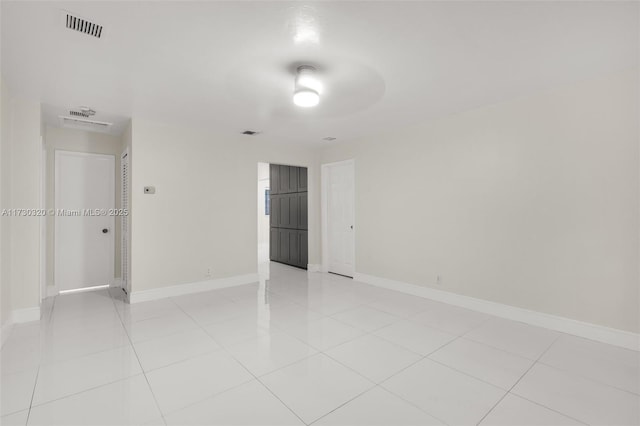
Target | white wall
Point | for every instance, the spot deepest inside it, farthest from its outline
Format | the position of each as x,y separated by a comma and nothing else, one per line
203,214
532,203
5,178
57,138
20,177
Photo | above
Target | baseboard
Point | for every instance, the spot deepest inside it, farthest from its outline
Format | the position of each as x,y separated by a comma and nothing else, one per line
25,315
189,288
590,331
5,331
314,267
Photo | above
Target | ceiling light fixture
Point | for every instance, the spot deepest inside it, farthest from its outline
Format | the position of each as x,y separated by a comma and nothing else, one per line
307,88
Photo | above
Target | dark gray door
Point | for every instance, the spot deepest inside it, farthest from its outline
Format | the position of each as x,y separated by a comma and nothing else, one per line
294,247
304,256
302,179
293,179
283,179
301,203
289,215
283,245
274,214
274,179
274,244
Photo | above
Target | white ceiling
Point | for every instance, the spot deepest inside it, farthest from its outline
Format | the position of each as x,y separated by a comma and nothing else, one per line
229,65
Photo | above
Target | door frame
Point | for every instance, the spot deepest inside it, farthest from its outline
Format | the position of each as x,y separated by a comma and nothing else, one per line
324,213
125,240
43,221
58,153
310,192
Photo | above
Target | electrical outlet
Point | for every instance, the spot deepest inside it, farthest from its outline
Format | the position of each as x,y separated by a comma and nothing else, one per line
209,272
439,280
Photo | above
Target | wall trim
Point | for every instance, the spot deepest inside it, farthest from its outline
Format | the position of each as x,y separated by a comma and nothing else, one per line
5,331
314,267
189,288
25,315
587,330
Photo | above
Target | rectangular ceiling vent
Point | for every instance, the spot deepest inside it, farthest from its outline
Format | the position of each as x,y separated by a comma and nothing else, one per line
81,123
82,25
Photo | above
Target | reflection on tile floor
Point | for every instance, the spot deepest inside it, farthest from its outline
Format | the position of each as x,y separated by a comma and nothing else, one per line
304,348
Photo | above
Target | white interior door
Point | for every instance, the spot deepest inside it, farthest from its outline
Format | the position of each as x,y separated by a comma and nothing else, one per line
340,218
84,229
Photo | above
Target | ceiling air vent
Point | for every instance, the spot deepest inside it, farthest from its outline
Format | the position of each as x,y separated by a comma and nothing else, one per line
250,132
81,123
82,111
82,25
79,114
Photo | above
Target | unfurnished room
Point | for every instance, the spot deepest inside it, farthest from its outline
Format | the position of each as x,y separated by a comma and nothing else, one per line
347,213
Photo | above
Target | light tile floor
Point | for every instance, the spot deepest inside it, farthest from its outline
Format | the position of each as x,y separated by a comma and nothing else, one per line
300,349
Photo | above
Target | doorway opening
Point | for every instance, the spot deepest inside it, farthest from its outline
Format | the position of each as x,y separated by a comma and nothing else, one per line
282,216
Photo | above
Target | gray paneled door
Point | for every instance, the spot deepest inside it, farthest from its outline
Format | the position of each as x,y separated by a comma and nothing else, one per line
289,227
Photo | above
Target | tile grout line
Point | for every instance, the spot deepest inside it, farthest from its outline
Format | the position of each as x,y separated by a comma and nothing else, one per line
422,358
549,408
71,394
538,359
375,385
35,384
33,394
518,381
572,373
200,355
248,371
85,390
191,404
138,358
379,384
366,333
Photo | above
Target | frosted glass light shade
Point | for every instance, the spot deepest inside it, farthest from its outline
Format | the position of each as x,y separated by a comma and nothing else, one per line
306,98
